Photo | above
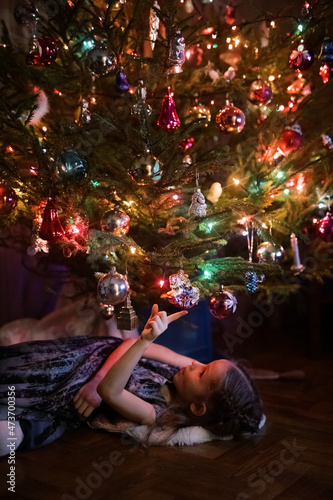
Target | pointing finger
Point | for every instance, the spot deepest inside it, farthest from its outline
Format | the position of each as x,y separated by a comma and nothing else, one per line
176,315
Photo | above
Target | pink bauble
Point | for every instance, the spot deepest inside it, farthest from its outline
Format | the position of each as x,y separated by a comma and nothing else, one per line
231,119
222,304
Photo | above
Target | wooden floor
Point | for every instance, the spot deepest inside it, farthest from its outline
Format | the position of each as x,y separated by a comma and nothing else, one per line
291,460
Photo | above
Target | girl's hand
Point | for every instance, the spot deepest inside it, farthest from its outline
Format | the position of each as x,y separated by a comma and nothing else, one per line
158,323
87,398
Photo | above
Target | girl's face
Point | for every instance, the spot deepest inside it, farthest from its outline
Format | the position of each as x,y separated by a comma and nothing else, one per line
195,382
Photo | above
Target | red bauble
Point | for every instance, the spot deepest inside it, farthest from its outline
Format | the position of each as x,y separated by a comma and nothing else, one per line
49,50
291,139
168,118
230,119
223,304
326,72
326,228
186,144
301,58
260,92
8,199
50,229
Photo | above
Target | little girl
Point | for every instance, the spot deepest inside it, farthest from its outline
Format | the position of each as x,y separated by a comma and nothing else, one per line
59,383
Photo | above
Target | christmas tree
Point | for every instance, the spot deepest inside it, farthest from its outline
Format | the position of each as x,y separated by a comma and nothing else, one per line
147,140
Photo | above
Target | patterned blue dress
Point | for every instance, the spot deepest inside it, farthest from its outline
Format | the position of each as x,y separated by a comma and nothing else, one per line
47,374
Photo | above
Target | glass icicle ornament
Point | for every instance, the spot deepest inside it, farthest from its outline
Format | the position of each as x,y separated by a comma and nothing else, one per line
251,277
168,118
176,52
127,319
154,24
51,228
141,108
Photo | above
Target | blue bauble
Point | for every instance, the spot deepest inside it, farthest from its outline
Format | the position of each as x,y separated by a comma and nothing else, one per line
71,164
326,52
121,83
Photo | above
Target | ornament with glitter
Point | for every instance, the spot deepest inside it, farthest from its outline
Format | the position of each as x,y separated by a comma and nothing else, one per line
177,52
198,205
168,118
326,228
154,24
251,281
182,293
327,141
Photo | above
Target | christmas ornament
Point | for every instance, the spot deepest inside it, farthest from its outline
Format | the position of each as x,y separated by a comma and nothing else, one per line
146,169
34,52
230,119
297,267
168,118
198,205
121,84
127,319
189,7
187,160
49,50
251,281
183,294
37,246
115,222
326,52
229,74
327,141
25,13
301,58
101,60
141,108
50,228
186,144
229,15
71,164
326,60
112,289
215,192
176,52
8,199
260,92
291,140
268,253
222,304
326,228
154,23
198,112
326,72
83,115
211,72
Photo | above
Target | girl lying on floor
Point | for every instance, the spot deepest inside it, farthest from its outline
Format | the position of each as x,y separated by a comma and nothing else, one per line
55,385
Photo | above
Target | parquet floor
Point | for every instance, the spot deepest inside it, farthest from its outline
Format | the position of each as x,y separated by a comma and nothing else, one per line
292,459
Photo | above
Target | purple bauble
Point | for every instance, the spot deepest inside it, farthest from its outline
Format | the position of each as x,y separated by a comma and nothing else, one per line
223,304
260,92
301,58
49,50
326,228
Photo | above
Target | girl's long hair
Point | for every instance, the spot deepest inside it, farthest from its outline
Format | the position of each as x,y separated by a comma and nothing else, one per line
233,410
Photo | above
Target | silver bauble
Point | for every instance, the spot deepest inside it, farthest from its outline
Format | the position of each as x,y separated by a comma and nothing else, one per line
115,222
146,169
101,60
268,253
112,288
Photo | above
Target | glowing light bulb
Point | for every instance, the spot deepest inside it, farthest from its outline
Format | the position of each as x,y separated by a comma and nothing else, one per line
44,129
133,250
271,78
161,283
236,181
175,197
